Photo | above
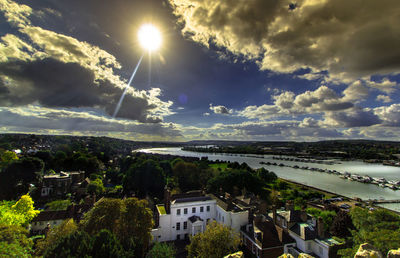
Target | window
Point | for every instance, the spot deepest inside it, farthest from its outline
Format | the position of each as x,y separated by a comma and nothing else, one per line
208,208
185,225
185,211
201,209
194,210
223,219
178,237
178,226
178,212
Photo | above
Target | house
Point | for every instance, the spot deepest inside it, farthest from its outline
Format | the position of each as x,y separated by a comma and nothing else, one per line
61,184
264,238
308,232
187,214
47,219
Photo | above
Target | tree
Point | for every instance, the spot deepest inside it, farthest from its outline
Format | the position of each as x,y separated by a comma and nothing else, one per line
129,219
96,187
145,177
380,228
77,244
54,235
19,213
7,157
341,225
16,177
161,250
14,241
105,244
266,176
217,241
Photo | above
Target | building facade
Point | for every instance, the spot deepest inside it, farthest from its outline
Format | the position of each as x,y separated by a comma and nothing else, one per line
185,215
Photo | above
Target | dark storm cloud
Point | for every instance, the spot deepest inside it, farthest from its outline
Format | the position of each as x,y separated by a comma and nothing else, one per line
53,83
349,39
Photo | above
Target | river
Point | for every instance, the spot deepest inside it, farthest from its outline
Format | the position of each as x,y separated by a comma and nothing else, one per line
325,181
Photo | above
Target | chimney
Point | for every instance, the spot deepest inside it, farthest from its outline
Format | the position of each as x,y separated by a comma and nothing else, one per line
320,228
274,214
167,199
289,205
303,214
303,232
251,215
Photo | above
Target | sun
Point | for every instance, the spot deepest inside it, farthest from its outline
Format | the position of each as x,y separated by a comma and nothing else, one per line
149,37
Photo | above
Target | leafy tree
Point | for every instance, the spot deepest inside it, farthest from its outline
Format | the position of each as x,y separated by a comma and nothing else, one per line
16,177
54,235
380,228
77,244
327,216
266,176
229,180
161,250
14,241
129,219
96,187
19,213
146,178
341,225
105,244
7,157
216,241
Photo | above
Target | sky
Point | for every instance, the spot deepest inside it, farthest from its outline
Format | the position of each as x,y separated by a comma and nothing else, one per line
258,70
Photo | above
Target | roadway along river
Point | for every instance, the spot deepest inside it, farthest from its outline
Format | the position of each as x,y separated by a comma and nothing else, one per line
329,182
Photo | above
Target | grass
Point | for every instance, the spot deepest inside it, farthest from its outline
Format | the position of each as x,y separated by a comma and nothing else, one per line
222,166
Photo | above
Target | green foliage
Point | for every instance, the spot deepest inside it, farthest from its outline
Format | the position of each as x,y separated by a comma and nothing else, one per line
77,244
58,205
161,250
96,187
7,157
54,235
380,228
145,178
266,176
216,241
234,180
341,225
105,244
16,177
129,219
327,216
19,213
187,175
14,241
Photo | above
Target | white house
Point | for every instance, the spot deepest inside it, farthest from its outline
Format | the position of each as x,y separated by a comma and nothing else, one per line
188,214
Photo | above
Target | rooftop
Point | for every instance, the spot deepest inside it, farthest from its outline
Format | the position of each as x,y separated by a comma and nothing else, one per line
161,209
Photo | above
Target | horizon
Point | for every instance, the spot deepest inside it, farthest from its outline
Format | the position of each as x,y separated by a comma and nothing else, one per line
259,71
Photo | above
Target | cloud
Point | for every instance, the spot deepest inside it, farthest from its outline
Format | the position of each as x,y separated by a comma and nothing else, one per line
220,110
321,100
384,98
81,121
355,117
56,70
390,115
283,39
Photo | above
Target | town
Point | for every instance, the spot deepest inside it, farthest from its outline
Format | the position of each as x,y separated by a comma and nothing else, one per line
76,196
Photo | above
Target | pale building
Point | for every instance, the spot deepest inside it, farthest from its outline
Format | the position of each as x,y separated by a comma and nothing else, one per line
187,214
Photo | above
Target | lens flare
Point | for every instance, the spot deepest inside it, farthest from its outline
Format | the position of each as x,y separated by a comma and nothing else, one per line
149,37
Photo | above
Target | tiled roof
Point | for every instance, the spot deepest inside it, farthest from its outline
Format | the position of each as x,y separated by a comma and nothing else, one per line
52,215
